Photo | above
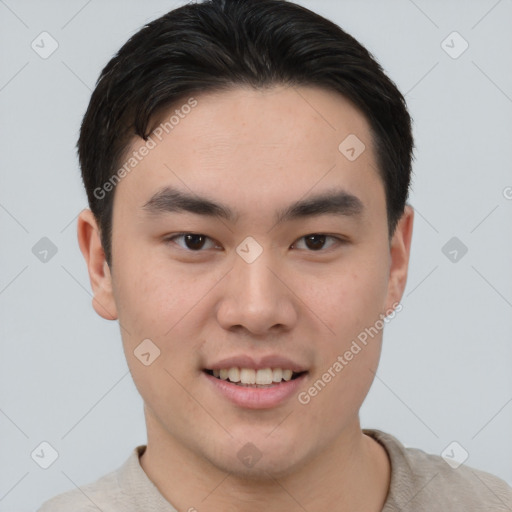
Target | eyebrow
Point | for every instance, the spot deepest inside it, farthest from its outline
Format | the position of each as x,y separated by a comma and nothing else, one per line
336,202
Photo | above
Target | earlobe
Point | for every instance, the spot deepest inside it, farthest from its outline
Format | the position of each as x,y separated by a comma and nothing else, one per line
99,272
400,251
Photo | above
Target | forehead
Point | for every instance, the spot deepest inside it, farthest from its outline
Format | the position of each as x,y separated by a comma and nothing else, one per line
278,117
268,143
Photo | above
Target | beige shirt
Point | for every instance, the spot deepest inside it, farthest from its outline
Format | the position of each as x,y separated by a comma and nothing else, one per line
420,482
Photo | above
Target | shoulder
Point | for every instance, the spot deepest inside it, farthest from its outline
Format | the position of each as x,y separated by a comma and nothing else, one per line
90,497
105,494
87,498
421,481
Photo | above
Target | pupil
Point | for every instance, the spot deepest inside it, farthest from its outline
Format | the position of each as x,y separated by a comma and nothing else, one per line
192,241
316,245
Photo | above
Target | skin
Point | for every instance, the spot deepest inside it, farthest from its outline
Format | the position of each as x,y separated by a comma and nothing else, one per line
255,151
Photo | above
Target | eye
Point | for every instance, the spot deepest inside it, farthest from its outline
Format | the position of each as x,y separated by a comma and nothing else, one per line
193,242
316,241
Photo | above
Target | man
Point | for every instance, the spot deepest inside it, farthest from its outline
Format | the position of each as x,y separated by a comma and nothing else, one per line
247,165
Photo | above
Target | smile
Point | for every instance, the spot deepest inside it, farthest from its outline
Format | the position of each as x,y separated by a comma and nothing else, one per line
255,389
264,377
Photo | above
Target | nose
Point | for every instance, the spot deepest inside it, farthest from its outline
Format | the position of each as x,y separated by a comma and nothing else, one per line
256,297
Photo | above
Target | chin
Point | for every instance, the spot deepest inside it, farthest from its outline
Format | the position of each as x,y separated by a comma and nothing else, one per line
264,470
259,458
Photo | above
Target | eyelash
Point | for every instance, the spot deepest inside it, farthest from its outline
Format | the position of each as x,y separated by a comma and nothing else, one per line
339,241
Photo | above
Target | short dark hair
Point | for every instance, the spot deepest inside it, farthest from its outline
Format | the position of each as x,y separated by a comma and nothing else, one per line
216,45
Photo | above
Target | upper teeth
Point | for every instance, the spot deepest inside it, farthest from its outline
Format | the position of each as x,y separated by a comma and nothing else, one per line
250,376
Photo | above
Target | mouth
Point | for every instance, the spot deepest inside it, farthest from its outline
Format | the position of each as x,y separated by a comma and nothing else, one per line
250,378
255,389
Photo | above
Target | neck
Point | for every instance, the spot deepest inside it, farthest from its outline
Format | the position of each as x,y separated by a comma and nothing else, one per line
353,473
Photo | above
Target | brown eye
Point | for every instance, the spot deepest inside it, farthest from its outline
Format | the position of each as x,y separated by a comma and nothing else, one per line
192,242
316,241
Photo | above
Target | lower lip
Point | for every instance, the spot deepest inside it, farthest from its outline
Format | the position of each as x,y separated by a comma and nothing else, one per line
256,398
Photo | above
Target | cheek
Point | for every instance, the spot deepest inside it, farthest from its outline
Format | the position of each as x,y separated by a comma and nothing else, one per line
160,302
152,298
351,303
155,306
348,356
349,299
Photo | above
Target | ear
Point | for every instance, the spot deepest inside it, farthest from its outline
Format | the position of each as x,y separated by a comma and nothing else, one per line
400,249
99,272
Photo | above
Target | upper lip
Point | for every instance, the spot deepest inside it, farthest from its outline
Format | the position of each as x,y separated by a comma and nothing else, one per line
268,361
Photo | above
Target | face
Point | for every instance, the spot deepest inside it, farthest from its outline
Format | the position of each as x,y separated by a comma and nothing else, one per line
254,277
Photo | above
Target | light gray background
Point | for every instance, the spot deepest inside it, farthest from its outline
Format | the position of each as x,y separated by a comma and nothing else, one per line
445,373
